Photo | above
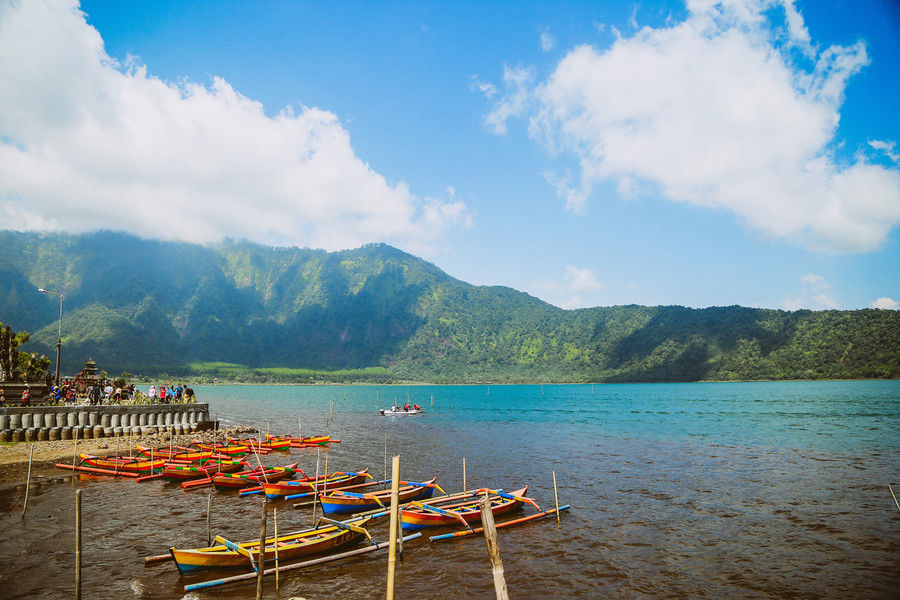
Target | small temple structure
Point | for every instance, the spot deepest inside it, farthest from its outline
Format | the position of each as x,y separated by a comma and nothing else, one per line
88,376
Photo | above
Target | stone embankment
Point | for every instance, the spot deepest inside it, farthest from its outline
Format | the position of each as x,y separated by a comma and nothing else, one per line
51,423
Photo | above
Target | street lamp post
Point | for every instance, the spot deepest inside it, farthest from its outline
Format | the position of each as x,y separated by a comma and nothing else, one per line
59,332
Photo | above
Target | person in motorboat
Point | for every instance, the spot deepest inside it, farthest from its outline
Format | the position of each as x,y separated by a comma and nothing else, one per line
416,407
406,407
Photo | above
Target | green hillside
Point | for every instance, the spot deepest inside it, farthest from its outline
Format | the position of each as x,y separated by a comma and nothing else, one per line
240,310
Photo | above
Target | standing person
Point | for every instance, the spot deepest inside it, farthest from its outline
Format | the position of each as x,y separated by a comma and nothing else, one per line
26,395
152,393
163,394
2,395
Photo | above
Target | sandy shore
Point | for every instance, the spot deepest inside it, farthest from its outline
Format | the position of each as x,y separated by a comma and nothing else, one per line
14,457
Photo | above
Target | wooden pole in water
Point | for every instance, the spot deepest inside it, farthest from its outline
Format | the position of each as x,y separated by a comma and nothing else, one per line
208,523
464,474
395,509
556,497
385,456
75,450
261,562
275,518
493,548
27,480
316,487
77,544
895,497
299,429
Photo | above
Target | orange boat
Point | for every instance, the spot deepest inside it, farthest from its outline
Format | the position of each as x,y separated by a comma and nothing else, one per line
323,482
255,477
123,463
182,472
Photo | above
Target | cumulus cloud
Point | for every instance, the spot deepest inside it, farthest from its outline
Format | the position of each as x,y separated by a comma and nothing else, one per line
576,289
886,304
815,293
87,142
717,111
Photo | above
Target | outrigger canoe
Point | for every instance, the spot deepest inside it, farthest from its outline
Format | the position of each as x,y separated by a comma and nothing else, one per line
123,463
182,472
302,442
460,508
227,449
390,412
176,454
254,477
228,554
268,445
340,479
340,501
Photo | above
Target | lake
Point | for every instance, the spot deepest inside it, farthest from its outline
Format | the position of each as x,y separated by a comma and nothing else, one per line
706,490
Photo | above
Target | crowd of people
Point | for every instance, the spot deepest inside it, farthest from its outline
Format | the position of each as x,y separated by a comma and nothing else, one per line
171,394
105,393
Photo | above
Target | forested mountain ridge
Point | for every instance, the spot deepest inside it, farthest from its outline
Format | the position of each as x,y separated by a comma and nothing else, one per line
148,306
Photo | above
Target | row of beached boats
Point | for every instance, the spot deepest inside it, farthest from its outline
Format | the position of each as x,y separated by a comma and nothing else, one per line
354,495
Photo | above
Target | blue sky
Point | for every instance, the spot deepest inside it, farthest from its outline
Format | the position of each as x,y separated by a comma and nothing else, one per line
702,153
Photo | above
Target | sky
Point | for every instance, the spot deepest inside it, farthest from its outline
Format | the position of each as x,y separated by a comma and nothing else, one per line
699,153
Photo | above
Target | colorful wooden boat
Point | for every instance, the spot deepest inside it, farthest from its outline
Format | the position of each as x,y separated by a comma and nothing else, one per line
337,480
460,508
255,477
183,472
303,442
340,501
227,449
176,454
270,445
122,463
246,554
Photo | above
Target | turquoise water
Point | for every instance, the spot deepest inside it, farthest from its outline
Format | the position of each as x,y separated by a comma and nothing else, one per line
711,490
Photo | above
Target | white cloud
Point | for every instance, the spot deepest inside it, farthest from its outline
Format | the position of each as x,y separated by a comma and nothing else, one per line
886,148
577,288
815,293
717,111
86,142
514,102
886,304
547,40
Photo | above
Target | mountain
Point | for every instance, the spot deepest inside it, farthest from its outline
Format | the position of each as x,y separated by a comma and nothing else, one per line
250,311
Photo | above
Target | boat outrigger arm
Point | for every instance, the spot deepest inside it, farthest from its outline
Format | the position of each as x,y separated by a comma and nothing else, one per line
348,526
446,513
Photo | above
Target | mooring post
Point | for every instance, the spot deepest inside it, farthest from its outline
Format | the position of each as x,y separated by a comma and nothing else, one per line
316,490
392,539
261,562
208,524
464,474
28,480
77,544
275,519
556,497
493,548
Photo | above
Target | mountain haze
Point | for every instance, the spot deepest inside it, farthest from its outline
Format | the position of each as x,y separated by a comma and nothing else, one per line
154,307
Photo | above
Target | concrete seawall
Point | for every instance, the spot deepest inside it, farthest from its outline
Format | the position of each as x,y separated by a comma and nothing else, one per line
49,423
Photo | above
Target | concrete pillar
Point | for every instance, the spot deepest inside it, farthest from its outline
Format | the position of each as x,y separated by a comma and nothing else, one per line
82,418
117,431
133,420
98,431
18,435
54,434
15,421
135,430
5,435
143,419
60,419
65,433
93,418
115,420
4,422
43,434
27,420
49,420
87,431
30,435
71,419
105,419
108,432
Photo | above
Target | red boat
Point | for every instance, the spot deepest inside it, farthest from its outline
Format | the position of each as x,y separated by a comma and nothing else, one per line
255,477
123,463
182,472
